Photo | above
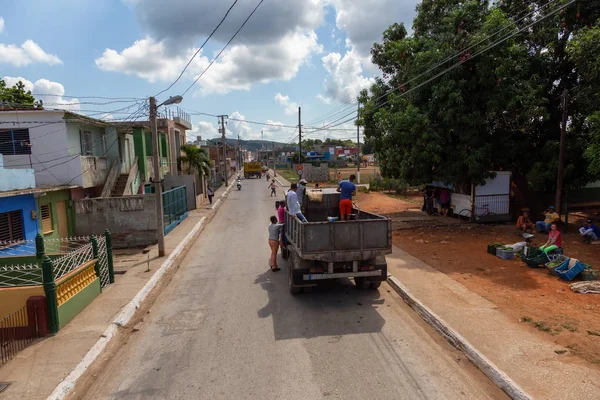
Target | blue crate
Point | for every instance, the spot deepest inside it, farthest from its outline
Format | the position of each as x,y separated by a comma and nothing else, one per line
567,273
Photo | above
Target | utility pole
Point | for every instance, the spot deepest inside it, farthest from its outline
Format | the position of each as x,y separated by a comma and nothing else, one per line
299,136
274,161
238,154
358,157
224,140
160,230
561,153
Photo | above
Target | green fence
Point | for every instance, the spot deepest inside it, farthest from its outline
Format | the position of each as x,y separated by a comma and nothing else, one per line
175,207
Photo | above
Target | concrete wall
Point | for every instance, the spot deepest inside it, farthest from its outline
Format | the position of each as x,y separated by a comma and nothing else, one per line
315,174
13,299
26,203
15,179
171,182
52,198
130,219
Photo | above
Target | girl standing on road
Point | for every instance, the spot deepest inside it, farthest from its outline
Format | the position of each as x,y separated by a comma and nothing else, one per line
274,237
273,187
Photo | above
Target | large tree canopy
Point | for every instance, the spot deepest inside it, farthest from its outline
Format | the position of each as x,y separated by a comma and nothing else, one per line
490,108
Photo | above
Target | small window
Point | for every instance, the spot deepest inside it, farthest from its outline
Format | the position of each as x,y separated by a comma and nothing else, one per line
14,142
11,226
47,226
86,142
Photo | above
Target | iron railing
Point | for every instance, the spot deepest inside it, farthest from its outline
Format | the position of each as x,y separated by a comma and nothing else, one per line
175,207
492,204
17,331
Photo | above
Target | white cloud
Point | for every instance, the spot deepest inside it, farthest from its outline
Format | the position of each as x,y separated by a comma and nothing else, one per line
291,108
346,80
29,53
1,24
49,92
204,129
237,126
324,99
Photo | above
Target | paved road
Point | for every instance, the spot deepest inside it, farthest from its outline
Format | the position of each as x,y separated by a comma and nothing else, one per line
227,328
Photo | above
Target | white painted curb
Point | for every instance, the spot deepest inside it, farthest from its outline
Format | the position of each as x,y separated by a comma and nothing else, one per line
500,379
124,316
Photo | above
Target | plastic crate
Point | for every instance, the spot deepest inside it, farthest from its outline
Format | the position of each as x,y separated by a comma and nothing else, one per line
492,248
567,273
589,274
505,254
535,259
558,261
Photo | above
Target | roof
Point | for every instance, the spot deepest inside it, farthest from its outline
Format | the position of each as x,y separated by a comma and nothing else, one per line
43,189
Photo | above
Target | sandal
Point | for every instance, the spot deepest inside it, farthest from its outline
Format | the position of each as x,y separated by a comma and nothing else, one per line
275,269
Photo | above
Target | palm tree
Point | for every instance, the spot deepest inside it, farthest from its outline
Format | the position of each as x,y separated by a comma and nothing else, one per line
195,159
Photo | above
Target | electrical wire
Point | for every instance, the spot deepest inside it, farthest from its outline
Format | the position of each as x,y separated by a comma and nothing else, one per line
199,50
224,47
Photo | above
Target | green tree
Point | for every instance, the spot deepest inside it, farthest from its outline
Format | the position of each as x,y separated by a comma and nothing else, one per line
498,110
17,96
196,159
297,156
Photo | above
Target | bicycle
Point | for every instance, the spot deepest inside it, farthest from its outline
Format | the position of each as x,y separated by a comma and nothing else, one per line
466,215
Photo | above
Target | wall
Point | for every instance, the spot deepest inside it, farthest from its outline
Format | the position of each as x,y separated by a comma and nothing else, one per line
15,179
315,174
130,219
52,198
94,171
171,182
13,299
27,204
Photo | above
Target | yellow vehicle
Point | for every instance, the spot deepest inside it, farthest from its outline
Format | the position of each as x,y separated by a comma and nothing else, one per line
252,169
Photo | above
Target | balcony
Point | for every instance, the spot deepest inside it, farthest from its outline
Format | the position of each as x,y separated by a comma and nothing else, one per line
94,171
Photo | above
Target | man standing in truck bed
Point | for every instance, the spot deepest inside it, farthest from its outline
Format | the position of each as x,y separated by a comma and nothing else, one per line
347,189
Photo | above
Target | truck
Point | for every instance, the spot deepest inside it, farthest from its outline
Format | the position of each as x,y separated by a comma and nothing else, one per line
327,248
252,169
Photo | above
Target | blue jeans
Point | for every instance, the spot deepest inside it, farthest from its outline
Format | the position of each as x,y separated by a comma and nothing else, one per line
301,217
542,226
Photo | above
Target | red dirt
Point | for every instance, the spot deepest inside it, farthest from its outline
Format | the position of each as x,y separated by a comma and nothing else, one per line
532,296
380,203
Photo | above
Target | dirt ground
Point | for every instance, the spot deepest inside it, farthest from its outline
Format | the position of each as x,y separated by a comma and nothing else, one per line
530,295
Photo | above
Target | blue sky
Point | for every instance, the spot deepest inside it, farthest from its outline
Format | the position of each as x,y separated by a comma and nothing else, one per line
313,53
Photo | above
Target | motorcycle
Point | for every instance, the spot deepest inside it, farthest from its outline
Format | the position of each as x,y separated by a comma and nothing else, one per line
239,185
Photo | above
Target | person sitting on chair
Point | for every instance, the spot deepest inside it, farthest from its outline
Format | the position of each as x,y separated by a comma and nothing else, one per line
554,240
550,217
524,224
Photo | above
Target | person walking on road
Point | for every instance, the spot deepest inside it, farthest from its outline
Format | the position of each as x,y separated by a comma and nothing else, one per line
273,188
211,194
347,189
274,238
293,205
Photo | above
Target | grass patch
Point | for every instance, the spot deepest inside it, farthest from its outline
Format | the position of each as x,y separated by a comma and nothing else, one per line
593,333
363,189
569,327
526,319
288,174
542,326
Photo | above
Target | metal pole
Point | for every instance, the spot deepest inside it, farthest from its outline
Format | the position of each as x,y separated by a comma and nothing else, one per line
160,231
561,154
299,136
274,161
224,147
358,157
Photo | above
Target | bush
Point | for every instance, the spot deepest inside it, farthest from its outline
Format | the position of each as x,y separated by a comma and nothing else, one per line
364,189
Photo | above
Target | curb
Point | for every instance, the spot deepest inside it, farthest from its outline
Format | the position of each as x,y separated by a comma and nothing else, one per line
498,377
126,313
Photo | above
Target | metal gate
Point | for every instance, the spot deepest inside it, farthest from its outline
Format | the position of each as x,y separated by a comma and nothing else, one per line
175,207
103,261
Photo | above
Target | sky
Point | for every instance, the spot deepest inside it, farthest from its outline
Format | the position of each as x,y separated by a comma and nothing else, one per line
309,53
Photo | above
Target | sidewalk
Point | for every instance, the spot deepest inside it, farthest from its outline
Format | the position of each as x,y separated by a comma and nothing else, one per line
527,359
36,371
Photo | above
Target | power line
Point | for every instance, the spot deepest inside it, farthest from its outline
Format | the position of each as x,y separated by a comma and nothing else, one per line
224,47
198,51
87,97
462,61
511,24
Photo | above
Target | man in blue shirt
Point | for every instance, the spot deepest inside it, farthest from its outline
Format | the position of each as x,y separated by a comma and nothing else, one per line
589,231
347,189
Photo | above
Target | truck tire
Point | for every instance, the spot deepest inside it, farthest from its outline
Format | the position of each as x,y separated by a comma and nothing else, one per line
361,283
293,289
375,285
285,253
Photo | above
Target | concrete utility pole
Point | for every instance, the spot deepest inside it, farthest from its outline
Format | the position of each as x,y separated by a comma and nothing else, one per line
274,161
160,228
224,140
561,153
238,154
299,136
358,157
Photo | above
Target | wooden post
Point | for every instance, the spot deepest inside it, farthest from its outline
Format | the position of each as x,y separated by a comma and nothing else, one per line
95,254
109,256
50,291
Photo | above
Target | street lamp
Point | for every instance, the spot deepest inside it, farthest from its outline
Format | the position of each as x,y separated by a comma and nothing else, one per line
160,230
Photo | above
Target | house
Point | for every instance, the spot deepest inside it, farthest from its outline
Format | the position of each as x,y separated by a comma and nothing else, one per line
26,210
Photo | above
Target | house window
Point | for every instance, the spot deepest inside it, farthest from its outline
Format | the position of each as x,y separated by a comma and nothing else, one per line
11,226
15,142
46,212
86,142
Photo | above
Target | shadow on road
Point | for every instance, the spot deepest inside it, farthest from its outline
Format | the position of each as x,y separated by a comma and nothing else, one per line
335,308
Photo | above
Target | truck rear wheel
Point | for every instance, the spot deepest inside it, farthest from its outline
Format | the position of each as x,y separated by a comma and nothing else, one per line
293,289
285,253
375,285
361,283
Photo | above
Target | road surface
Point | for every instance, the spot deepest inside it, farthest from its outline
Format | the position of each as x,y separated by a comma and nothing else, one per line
226,327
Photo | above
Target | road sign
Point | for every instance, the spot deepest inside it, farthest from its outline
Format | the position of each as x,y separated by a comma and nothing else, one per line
299,172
